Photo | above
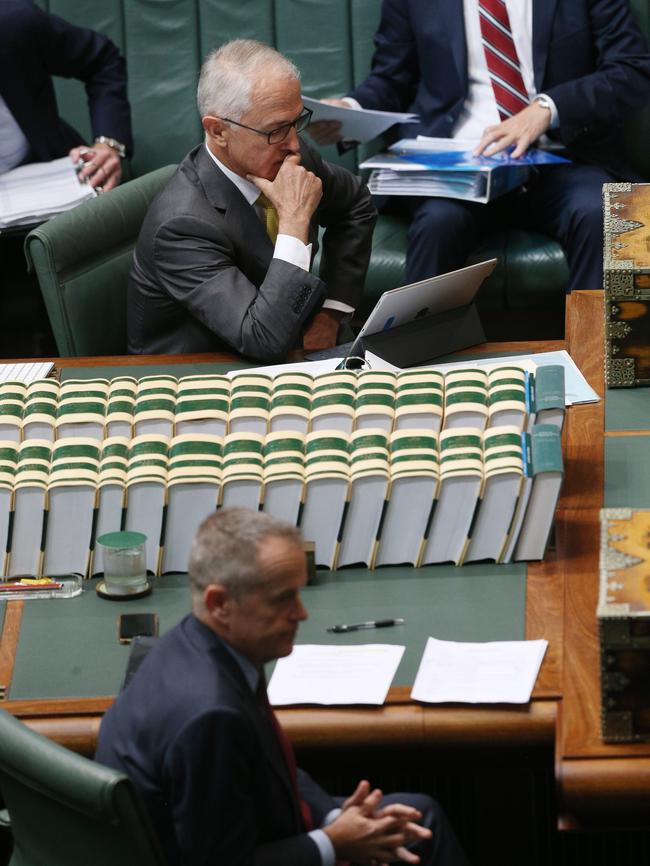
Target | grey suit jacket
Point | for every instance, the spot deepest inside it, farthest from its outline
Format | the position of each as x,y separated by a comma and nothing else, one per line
204,277
191,736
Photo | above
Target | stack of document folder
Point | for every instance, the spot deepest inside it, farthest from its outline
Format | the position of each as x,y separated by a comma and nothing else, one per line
447,168
33,193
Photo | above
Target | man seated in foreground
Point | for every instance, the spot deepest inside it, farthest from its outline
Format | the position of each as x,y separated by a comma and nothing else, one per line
223,257
195,732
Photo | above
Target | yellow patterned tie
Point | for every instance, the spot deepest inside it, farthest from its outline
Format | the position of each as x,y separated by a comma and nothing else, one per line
271,221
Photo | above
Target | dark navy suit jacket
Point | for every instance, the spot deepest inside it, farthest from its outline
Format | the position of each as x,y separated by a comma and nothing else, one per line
35,46
588,56
191,735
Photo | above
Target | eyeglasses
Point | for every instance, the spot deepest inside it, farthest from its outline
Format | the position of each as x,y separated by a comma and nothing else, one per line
276,135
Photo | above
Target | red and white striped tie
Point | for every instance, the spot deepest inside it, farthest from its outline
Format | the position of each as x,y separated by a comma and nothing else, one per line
502,60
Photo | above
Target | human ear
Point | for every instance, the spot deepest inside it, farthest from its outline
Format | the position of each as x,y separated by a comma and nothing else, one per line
215,129
217,602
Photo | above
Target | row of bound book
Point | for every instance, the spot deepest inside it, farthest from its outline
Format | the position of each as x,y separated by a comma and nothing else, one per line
254,403
367,497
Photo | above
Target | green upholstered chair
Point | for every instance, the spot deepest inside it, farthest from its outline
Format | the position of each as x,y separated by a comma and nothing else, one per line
164,45
66,810
82,259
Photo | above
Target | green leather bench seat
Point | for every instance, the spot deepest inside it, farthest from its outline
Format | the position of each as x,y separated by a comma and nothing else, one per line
331,41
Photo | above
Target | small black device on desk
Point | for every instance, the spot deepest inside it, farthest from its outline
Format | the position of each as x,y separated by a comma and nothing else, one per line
130,625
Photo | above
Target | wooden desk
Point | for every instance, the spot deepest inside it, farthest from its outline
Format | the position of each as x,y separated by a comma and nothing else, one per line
75,723
597,782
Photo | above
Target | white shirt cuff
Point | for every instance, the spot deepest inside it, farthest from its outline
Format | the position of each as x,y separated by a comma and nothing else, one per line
292,251
325,847
351,102
337,305
555,117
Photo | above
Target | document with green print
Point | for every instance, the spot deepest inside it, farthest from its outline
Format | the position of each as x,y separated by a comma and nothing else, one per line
419,397
327,486
194,476
369,486
250,404
71,500
81,409
284,475
243,471
8,466
503,482
414,476
111,494
461,478
155,406
466,399
547,472
12,404
30,495
291,403
146,489
202,405
374,405
333,401
120,407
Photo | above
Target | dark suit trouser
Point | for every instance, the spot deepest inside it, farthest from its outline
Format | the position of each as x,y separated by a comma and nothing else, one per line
563,201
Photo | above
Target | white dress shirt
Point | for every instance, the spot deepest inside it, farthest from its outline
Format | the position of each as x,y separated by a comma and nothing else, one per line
480,108
14,147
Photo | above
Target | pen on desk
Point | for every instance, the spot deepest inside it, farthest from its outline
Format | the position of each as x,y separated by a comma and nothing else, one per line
371,623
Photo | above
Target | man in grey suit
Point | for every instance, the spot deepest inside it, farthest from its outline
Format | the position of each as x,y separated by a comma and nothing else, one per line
215,267
194,730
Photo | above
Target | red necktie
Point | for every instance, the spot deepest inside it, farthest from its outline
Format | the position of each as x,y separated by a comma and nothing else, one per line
287,751
502,60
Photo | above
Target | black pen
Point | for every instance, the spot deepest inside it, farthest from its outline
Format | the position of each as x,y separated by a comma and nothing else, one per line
372,623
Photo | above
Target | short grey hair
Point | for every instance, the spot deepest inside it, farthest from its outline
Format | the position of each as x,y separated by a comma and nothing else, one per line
226,548
229,73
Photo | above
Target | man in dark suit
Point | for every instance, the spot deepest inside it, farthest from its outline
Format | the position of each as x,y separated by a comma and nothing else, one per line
583,66
35,46
194,730
216,266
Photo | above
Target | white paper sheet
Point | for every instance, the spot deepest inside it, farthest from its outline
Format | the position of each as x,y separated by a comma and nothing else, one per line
32,193
576,387
357,124
314,368
328,674
478,673
26,373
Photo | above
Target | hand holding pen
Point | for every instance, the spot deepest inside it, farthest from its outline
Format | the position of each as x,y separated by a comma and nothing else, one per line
98,165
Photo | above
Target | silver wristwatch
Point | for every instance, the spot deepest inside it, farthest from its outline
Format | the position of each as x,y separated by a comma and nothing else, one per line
117,146
544,101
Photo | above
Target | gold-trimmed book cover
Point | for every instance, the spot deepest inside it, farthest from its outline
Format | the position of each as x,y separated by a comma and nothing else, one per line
624,624
626,270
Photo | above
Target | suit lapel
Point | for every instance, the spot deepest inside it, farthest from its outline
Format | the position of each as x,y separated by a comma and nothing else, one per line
450,14
543,12
241,222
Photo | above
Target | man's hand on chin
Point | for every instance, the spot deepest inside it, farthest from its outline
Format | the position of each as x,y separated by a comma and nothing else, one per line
321,332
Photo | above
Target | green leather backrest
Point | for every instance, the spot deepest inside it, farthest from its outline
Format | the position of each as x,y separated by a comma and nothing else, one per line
66,810
165,42
82,259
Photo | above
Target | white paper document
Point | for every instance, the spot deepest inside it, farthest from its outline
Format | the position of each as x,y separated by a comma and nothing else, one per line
497,672
328,674
576,387
314,368
35,192
357,124
26,373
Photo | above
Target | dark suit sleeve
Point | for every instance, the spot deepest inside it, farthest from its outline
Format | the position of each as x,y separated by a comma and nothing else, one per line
395,72
348,216
76,52
621,77
211,775
195,263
